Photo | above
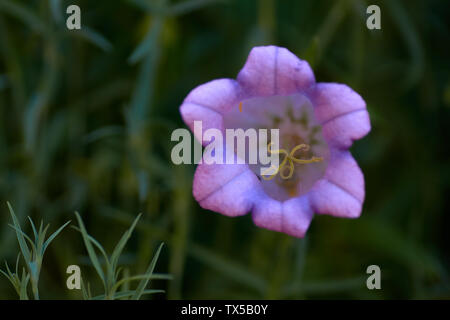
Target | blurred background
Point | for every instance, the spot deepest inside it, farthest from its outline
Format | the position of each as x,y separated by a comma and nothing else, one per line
85,123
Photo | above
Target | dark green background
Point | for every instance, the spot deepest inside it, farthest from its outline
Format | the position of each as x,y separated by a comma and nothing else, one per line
85,125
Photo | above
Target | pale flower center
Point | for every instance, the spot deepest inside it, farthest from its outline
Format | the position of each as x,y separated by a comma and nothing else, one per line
294,116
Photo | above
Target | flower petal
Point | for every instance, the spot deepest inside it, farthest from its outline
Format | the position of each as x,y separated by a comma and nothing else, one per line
341,191
345,172
225,188
273,70
291,217
208,102
267,213
297,215
209,118
342,113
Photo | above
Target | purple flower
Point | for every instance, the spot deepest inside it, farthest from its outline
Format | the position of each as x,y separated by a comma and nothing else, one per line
278,90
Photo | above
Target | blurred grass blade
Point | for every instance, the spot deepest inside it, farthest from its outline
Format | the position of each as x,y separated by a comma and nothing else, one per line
191,5
412,41
12,277
228,268
97,245
102,133
22,13
326,31
93,37
150,41
148,6
126,280
312,52
4,81
55,6
8,275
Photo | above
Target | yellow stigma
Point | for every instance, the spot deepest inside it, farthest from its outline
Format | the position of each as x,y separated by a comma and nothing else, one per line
288,160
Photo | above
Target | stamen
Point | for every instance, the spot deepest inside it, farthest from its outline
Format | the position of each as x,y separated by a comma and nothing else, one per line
288,158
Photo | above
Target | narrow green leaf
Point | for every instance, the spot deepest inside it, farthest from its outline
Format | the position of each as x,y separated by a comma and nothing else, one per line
104,132
17,263
96,244
53,236
191,5
119,270
7,268
85,291
147,43
23,285
126,294
412,41
326,287
41,239
121,244
34,229
90,249
5,274
20,238
141,287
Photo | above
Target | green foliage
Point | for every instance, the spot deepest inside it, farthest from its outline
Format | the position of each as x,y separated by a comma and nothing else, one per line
85,124
112,283
33,254
20,283
110,277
